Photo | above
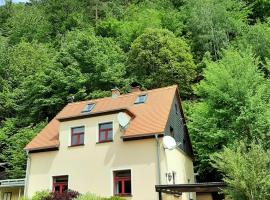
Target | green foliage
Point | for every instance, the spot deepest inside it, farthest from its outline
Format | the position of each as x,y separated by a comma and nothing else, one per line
41,195
213,24
234,105
260,9
90,196
51,50
136,20
257,37
13,140
100,60
27,23
246,170
157,58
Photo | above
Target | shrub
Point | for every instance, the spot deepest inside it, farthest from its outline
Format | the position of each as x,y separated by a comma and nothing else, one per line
90,196
69,195
41,195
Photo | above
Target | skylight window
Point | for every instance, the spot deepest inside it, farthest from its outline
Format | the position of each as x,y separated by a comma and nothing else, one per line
88,108
141,99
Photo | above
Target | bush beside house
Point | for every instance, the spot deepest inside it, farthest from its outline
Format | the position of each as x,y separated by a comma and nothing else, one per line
70,195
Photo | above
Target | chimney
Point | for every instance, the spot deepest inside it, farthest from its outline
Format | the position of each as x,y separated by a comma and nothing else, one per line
115,92
136,89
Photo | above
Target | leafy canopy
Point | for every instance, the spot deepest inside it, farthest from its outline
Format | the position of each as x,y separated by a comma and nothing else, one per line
246,170
158,58
234,105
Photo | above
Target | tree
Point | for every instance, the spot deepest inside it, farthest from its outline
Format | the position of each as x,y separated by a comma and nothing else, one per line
137,18
213,24
234,104
12,142
27,23
101,60
27,59
246,171
260,9
257,36
157,58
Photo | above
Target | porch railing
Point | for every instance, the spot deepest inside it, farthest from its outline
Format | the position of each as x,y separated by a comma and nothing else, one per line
12,182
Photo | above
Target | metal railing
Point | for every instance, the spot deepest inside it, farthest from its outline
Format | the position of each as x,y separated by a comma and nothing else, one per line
12,182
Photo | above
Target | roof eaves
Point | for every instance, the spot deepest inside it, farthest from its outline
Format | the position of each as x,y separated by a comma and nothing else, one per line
141,136
86,115
40,149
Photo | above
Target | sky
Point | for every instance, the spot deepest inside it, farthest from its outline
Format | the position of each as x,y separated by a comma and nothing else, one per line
2,2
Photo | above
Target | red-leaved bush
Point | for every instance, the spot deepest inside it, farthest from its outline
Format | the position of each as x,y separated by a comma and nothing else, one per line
69,195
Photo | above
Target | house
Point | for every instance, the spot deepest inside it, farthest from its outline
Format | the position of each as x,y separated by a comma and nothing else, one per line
90,147
10,189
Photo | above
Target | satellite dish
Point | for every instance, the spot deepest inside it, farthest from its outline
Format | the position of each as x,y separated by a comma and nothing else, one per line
169,142
123,119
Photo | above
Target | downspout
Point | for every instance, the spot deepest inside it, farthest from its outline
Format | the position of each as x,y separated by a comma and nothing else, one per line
27,174
158,166
158,160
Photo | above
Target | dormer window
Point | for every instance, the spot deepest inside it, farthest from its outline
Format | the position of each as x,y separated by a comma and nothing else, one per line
88,108
141,99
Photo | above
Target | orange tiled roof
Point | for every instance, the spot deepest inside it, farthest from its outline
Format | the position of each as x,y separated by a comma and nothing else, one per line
148,118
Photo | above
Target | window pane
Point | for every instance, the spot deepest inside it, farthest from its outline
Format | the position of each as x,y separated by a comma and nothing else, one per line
60,179
141,99
88,107
106,126
64,188
78,130
74,140
110,135
82,139
57,188
118,187
101,136
128,187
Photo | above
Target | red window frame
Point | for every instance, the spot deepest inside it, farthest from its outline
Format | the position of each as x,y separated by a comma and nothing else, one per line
106,131
60,184
79,135
122,179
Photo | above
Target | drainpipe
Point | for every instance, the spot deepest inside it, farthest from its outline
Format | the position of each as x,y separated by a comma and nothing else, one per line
158,159
158,166
27,174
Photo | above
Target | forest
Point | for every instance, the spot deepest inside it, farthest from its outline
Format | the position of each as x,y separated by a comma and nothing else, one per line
217,52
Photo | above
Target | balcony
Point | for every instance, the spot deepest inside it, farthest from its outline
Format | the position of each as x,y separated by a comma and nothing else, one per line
12,183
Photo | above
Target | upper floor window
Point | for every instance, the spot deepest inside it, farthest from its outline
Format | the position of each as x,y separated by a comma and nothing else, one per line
60,184
141,99
105,132
88,107
176,108
122,182
77,136
171,131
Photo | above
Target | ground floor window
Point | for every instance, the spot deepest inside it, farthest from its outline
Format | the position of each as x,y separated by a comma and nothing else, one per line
60,184
7,196
122,182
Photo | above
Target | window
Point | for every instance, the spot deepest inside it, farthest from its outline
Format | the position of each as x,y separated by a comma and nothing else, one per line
122,182
88,107
60,184
7,196
77,136
140,99
105,132
176,108
171,131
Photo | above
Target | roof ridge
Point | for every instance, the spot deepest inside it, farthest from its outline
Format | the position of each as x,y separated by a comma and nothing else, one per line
124,95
